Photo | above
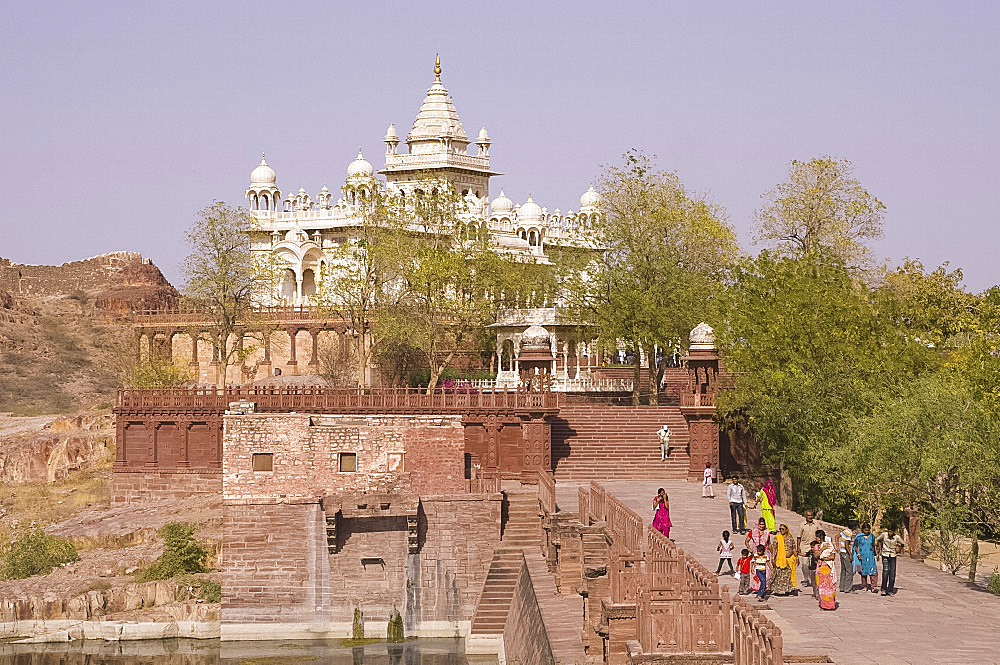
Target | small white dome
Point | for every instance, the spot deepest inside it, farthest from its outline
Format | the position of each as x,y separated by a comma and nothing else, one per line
590,198
390,133
360,167
502,204
483,136
475,203
263,174
529,211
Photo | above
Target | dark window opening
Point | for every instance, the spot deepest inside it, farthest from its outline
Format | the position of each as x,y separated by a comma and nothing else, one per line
263,461
348,461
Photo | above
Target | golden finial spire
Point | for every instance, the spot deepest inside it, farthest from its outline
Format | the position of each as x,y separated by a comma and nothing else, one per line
437,68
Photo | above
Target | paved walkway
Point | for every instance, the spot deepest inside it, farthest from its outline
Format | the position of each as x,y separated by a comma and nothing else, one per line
933,619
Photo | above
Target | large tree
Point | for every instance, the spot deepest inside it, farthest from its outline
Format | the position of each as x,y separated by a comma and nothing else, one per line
659,257
362,280
821,206
228,283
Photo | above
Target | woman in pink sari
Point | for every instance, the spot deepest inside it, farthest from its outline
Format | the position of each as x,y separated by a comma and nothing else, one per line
762,537
661,520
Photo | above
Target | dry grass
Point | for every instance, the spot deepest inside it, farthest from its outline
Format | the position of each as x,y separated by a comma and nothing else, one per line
47,503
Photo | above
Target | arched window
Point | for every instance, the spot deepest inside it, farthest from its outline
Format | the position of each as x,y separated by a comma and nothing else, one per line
288,286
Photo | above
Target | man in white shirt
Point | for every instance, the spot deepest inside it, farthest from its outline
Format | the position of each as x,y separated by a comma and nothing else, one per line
737,505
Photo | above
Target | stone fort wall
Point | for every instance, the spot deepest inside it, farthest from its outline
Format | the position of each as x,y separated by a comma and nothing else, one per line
422,454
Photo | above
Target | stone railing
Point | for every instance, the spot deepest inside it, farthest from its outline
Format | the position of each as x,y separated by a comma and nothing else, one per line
688,621
697,399
628,577
756,640
560,385
583,505
598,502
484,483
327,400
626,527
278,313
547,491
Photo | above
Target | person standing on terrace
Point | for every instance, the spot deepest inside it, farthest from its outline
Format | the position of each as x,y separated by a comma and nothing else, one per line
737,496
661,505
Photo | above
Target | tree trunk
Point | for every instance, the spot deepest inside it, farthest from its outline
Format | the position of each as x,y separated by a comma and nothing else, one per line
359,347
654,386
636,374
912,516
974,561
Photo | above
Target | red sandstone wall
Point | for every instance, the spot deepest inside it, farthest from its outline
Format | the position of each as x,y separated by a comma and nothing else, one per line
138,485
441,582
524,638
274,564
305,453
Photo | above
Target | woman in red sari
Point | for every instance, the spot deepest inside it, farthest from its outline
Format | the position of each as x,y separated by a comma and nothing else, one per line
826,574
661,520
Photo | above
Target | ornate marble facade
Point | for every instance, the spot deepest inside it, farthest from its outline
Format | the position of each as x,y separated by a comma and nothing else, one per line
302,231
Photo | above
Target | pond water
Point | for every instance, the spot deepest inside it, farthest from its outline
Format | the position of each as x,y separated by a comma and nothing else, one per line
212,652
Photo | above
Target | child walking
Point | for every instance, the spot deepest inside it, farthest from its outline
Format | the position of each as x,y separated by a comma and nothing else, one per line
725,549
760,565
744,564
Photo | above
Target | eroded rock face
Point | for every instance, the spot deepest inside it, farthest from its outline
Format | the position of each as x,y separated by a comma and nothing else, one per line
175,601
60,447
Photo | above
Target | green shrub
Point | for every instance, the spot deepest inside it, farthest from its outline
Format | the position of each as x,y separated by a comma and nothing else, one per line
993,584
35,553
182,554
210,591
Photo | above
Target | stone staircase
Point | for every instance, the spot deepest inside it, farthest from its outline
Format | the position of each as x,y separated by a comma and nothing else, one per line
494,603
524,526
600,442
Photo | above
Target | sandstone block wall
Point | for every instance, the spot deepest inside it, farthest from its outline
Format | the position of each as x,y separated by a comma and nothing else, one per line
133,485
422,454
274,564
524,638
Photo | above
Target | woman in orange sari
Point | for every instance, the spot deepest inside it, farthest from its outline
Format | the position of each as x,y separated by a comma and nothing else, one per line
826,574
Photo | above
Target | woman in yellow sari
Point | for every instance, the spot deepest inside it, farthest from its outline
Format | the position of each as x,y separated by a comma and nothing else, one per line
784,563
765,502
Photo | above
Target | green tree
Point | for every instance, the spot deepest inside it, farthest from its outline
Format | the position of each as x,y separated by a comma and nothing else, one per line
821,206
363,279
657,261
228,283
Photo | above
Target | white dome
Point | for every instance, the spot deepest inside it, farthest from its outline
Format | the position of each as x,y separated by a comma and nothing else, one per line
483,136
263,174
590,199
390,133
474,203
502,204
529,211
360,167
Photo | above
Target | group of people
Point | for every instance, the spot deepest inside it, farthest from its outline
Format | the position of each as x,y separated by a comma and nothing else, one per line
770,558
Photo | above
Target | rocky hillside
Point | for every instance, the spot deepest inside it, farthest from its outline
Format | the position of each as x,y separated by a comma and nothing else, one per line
62,338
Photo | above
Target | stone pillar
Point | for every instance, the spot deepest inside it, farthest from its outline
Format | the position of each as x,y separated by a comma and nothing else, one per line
152,430
138,346
291,346
185,428
120,429
194,349
492,424
314,358
168,345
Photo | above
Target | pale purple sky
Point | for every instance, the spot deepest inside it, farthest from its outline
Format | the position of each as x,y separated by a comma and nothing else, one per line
119,120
